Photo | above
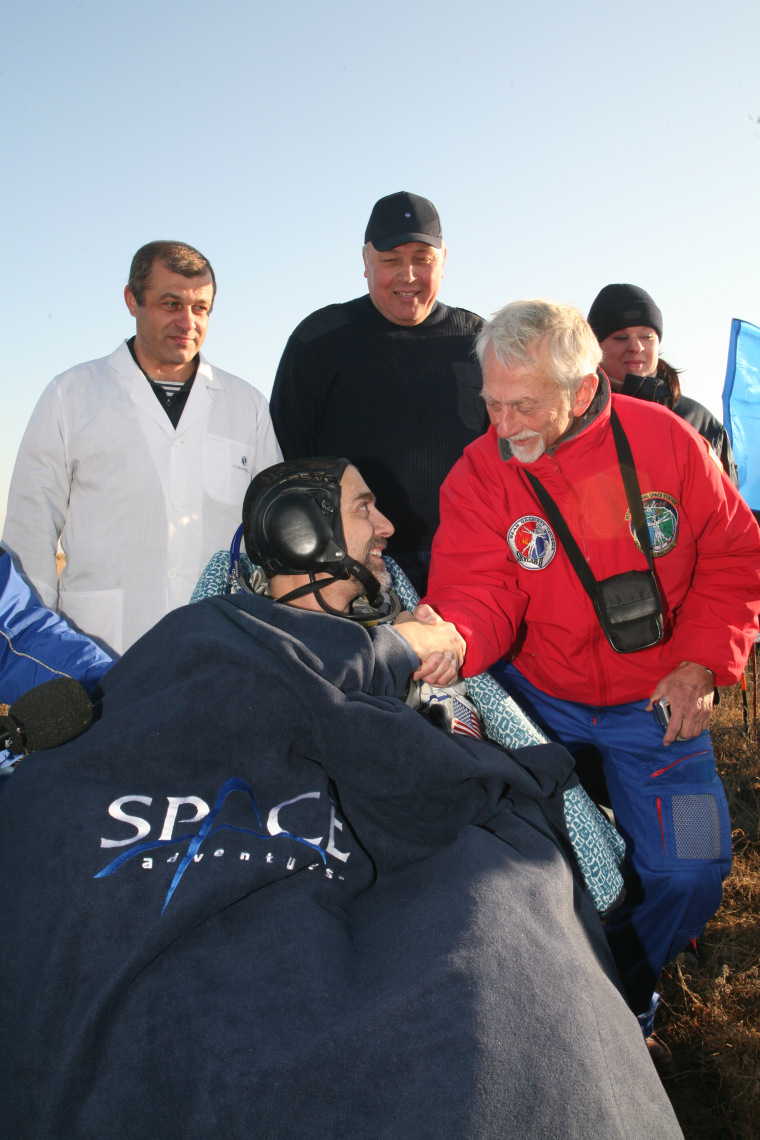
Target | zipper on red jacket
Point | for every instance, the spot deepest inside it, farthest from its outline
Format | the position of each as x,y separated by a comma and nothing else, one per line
599,639
601,698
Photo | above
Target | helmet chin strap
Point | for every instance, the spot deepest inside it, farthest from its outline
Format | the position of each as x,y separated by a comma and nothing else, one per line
313,587
372,587
350,569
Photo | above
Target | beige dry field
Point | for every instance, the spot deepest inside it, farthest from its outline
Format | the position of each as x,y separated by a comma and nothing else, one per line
711,1012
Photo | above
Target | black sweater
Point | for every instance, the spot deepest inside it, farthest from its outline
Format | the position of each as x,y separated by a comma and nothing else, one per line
400,402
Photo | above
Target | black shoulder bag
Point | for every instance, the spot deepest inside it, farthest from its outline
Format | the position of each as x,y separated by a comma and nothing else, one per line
628,605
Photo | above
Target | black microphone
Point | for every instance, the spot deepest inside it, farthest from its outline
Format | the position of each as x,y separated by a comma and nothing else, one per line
46,716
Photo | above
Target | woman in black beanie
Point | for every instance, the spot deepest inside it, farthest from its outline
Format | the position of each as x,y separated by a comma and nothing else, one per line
628,326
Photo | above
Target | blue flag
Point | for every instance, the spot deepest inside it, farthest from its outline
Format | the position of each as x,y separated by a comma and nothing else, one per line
741,406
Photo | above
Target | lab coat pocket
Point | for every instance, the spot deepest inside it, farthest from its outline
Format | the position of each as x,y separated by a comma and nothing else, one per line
226,469
96,609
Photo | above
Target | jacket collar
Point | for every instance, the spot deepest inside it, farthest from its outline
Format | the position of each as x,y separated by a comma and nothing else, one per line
647,388
141,394
122,362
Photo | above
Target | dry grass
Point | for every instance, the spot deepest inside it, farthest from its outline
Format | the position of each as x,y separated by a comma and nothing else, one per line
711,1013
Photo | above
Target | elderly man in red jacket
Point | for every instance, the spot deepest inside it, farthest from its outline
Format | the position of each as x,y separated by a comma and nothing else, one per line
593,553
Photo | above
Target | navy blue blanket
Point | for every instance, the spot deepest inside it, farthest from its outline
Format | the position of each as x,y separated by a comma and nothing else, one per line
261,897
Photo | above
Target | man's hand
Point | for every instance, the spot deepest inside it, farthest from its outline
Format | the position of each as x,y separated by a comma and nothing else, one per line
689,692
436,642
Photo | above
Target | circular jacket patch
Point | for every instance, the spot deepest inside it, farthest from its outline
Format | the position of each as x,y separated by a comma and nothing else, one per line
661,512
532,542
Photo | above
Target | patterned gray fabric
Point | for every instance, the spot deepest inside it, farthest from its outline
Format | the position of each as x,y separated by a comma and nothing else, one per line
599,849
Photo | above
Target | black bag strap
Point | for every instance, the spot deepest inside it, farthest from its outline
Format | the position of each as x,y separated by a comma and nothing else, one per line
632,488
578,562
635,506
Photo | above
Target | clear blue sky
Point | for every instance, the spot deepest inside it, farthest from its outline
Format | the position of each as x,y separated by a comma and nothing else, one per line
566,146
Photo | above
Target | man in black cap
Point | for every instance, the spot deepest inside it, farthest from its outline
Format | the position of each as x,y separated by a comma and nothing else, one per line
388,379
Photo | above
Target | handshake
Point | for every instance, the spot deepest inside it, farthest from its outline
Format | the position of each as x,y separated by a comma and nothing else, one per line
436,642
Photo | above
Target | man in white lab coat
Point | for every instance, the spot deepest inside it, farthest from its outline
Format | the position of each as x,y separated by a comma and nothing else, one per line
137,462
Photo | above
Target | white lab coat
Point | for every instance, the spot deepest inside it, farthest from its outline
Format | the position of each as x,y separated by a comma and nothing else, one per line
139,506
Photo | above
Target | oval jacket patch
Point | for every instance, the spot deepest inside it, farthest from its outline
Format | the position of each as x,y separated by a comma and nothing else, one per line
661,513
532,542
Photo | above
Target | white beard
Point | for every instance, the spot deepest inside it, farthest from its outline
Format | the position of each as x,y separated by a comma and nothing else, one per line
529,449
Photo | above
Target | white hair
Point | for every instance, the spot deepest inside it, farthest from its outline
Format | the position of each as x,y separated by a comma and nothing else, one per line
516,332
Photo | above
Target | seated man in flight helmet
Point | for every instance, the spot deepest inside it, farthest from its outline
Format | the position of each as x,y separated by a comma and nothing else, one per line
327,911
315,539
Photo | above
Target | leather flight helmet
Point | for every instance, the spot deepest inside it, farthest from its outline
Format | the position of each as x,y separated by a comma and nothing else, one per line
292,525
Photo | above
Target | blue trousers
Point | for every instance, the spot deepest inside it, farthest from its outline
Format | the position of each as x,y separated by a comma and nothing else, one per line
670,808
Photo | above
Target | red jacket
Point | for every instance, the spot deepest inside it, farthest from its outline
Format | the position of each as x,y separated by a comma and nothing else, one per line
502,576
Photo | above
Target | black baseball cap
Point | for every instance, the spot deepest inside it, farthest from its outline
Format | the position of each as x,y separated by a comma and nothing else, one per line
399,218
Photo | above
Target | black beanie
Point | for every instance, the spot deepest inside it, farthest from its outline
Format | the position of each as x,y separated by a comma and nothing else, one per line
623,307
